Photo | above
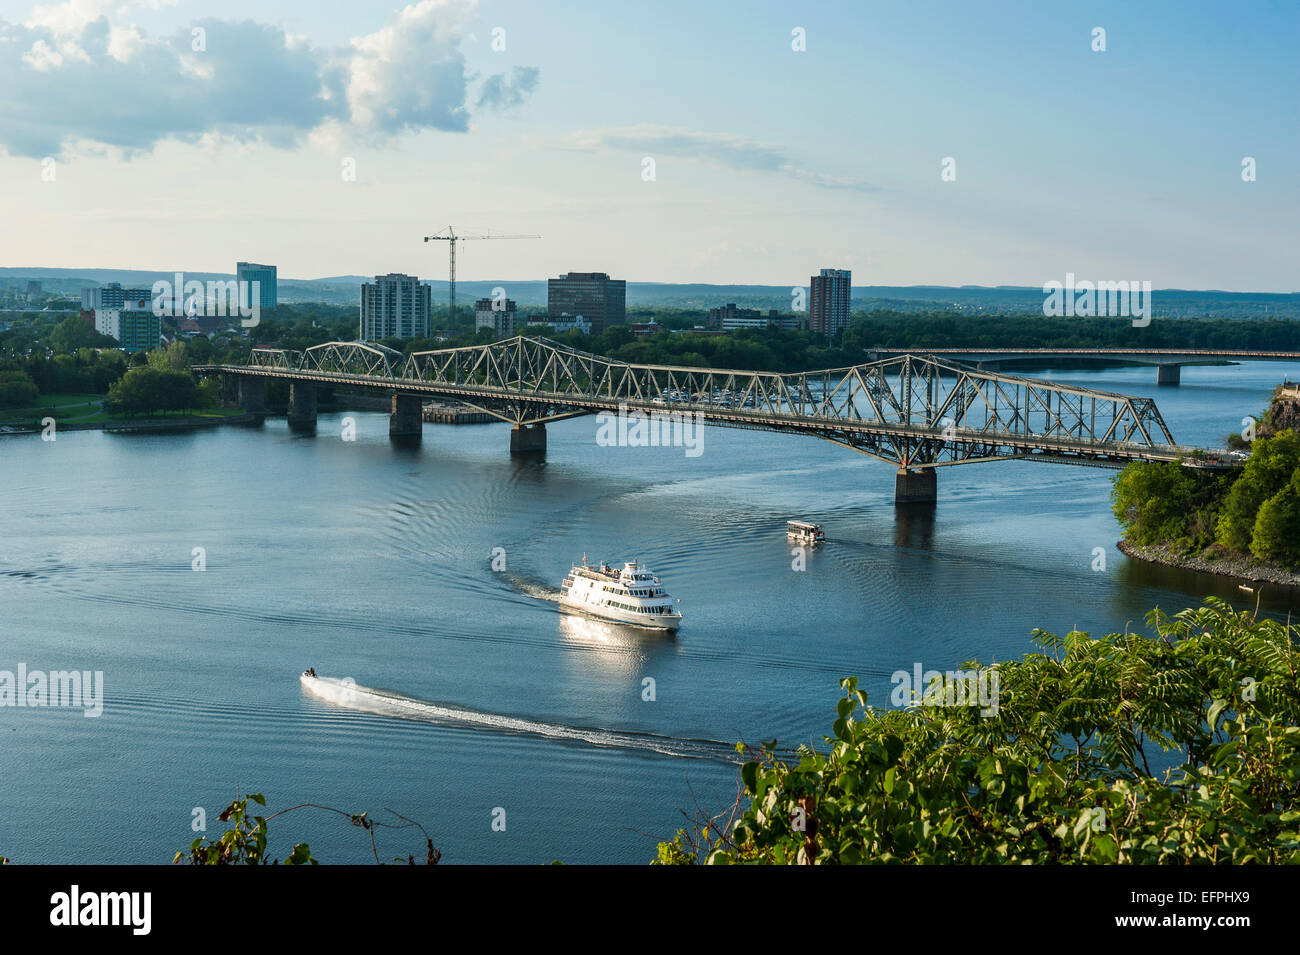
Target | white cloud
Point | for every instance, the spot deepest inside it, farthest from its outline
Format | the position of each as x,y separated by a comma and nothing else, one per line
124,43
42,57
722,149
74,73
411,72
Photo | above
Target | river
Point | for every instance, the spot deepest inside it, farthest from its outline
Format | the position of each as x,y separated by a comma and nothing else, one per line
374,563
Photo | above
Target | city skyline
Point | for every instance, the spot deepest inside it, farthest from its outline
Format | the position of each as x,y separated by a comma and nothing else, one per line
1125,163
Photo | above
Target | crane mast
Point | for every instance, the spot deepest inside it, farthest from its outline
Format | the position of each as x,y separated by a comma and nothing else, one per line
451,237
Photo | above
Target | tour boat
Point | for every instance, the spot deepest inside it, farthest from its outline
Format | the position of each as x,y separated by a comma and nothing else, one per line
803,532
630,595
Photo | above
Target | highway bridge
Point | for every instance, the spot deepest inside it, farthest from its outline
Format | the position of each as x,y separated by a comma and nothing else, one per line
917,412
1167,361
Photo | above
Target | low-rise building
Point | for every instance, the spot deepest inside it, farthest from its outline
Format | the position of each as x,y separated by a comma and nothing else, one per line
729,318
498,315
570,323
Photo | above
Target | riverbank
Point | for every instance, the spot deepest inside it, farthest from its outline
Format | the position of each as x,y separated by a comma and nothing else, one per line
1239,568
139,425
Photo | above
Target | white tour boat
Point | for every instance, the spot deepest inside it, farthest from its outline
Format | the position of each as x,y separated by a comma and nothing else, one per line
803,532
629,595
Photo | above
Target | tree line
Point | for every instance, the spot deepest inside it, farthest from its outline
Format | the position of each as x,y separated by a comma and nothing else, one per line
1250,512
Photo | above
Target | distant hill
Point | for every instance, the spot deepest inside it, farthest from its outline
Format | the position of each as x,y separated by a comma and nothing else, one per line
967,299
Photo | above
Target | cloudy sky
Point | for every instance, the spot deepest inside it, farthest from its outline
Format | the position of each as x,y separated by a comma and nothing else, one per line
329,136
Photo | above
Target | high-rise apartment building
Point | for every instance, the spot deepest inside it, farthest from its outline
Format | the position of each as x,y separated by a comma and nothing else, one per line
592,296
112,296
394,306
500,317
247,273
828,306
131,319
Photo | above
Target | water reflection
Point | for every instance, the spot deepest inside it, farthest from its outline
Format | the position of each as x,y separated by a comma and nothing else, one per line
914,526
617,650
528,464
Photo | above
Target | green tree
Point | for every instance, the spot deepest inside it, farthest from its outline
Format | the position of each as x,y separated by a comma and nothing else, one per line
1270,466
75,332
1276,535
1159,502
1058,769
171,358
143,390
17,389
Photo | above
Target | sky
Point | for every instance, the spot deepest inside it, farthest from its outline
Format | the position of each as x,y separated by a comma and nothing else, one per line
723,142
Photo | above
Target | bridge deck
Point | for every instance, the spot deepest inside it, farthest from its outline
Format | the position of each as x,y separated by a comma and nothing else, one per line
914,411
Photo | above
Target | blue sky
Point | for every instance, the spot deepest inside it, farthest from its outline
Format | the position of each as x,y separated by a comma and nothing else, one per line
769,163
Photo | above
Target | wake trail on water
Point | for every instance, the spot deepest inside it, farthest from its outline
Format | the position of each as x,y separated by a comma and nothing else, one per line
349,695
535,589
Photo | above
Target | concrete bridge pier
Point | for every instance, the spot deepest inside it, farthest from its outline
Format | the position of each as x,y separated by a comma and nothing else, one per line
302,406
1168,374
528,438
252,394
916,487
406,422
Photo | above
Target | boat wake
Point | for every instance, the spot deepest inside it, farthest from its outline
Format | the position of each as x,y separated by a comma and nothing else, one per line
366,699
534,589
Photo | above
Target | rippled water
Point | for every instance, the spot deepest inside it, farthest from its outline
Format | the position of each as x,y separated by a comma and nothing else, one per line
372,563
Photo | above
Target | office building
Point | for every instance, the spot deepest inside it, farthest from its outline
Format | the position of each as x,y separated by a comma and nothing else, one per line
591,297
394,306
828,305
498,316
268,293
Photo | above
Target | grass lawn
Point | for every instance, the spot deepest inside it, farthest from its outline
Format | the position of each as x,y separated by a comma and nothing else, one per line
103,418
58,407
85,409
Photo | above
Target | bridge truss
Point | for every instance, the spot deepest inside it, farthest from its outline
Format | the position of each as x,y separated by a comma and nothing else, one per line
913,410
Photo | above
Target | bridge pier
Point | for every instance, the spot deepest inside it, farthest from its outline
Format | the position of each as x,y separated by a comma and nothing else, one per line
528,438
406,421
916,487
1168,374
302,406
252,394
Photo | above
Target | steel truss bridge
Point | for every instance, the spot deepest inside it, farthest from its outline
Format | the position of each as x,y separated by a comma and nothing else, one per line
915,411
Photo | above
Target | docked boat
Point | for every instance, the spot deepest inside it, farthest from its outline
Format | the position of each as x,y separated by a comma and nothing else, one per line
804,533
629,595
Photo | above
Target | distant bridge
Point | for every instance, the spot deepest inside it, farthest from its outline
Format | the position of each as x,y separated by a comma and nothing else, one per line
1168,361
917,412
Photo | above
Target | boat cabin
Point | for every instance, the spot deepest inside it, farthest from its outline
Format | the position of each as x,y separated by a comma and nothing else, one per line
804,532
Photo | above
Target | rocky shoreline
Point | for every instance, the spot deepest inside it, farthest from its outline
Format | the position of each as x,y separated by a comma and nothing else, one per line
1240,568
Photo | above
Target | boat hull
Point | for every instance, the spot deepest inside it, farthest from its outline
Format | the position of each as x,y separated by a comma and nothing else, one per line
668,623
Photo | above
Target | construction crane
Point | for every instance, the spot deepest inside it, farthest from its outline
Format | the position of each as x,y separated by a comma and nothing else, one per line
451,237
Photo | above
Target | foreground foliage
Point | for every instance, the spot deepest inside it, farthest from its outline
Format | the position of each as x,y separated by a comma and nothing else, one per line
1179,747
245,842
